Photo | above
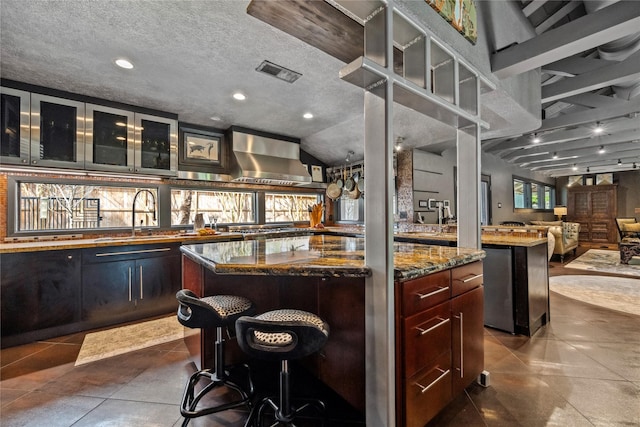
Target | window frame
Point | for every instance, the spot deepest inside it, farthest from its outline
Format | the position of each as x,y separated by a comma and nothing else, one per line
540,195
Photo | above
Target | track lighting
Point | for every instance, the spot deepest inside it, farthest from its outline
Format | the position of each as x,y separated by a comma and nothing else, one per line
587,169
348,158
575,168
536,139
555,155
634,165
601,149
598,129
619,162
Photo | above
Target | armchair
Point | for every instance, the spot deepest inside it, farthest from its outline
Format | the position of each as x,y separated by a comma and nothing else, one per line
628,227
565,234
566,238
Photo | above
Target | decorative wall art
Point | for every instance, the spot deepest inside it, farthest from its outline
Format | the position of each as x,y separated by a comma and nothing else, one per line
461,14
604,179
574,180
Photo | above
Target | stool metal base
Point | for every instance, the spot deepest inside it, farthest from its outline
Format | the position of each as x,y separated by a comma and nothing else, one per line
285,413
217,377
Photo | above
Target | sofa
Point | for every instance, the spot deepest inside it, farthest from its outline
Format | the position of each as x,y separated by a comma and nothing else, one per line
565,234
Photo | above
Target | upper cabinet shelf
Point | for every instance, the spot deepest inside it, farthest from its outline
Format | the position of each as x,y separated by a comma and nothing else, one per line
47,131
435,81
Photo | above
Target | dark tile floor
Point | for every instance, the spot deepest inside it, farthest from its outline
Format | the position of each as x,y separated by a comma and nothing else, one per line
583,369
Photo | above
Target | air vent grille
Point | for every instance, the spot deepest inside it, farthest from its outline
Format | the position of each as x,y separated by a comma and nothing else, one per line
278,71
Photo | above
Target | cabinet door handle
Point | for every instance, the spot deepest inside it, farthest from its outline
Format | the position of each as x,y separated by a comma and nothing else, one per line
437,325
144,251
141,285
461,344
129,284
440,289
442,375
473,277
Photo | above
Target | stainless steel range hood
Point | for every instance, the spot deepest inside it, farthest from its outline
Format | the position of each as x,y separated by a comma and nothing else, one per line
263,160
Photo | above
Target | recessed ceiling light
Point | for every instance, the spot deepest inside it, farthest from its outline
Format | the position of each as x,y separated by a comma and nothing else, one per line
123,63
575,168
239,96
307,116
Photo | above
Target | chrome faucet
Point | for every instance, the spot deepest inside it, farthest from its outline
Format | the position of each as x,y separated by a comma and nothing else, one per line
133,210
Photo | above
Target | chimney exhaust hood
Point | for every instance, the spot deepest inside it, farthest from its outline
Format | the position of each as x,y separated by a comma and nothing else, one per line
264,160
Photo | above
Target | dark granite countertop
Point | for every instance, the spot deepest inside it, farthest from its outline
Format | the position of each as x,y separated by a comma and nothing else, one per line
322,256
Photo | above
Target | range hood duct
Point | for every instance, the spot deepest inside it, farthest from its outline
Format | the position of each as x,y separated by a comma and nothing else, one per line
263,160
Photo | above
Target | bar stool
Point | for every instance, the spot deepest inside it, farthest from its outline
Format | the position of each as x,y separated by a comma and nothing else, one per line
219,311
282,335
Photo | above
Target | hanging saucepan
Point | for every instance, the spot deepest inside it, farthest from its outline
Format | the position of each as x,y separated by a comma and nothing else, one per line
355,193
350,183
340,181
333,191
361,183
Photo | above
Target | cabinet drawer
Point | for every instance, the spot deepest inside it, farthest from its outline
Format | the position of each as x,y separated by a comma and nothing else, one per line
120,253
466,277
426,336
428,392
425,292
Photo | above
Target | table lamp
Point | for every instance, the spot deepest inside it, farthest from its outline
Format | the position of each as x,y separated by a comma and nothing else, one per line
559,211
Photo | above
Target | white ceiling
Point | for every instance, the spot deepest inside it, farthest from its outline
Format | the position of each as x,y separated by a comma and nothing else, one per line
589,53
190,56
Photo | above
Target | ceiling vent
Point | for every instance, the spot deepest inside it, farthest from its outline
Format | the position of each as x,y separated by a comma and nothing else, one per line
278,71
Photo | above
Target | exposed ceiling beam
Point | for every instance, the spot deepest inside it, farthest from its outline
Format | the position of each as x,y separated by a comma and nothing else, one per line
590,116
612,151
625,157
631,136
563,136
617,73
592,30
592,100
556,17
532,7
575,65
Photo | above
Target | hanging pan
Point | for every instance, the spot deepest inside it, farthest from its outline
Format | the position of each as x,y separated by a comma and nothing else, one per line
333,191
350,183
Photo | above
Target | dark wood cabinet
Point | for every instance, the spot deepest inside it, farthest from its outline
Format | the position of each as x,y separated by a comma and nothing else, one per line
595,207
440,334
40,293
467,339
129,282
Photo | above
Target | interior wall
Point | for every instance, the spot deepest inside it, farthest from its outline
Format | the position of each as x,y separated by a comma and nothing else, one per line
433,177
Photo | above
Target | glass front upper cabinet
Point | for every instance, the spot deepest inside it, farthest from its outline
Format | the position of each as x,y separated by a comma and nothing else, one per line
109,136
120,140
16,132
57,132
156,145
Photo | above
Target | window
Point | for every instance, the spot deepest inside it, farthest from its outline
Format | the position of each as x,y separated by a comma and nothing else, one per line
219,207
49,206
532,195
288,207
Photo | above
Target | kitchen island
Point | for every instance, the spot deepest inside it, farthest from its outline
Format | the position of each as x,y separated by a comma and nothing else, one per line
326,274
516,279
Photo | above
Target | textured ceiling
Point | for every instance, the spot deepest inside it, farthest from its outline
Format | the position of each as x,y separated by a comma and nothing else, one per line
190,56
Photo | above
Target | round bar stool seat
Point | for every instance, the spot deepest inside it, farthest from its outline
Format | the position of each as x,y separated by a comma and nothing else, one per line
282,335
217,311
